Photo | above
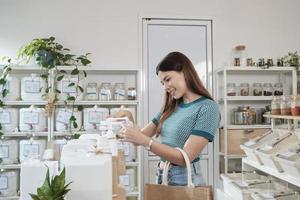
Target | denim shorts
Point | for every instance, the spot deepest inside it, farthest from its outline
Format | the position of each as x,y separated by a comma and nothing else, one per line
177,175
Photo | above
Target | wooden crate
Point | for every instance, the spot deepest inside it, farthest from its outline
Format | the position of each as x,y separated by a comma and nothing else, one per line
237,137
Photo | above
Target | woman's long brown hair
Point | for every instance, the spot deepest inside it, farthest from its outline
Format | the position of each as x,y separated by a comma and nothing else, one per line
176,61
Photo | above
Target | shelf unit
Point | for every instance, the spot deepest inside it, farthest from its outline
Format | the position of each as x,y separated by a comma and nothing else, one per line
131,78
251,165
237,75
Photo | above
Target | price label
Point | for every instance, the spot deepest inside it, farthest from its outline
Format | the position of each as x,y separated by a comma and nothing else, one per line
64,116
3,182
4,151
31,150
94,117
66,88
5,117
30,118
33,86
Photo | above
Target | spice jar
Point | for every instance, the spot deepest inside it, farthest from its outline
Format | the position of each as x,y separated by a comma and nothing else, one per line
257,89
231,89
285,105
275,106
270,62
105,93
295,105
244,89
261,62
92,91
119,91
241,55
278,89
131,93
268,89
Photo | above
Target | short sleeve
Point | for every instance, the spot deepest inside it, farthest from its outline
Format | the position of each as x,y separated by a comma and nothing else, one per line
207,122
156,118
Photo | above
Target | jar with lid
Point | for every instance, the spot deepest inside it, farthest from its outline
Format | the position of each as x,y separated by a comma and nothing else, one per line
119,91
285,105
268,89
278,89
231,89
275,105
244,89
295,105
92,91
131,93
257,89
105,92
240,55
244,115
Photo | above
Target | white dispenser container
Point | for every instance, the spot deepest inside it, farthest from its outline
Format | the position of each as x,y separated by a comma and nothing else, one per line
62,119
8,183
9,119
267,152
33,119
31,149
8,151
228,179
93,116
250,146
289,160
13,87
32,88
67,90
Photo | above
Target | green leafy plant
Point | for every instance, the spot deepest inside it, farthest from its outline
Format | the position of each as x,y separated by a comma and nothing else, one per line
54,189
292,59
3,84
49,54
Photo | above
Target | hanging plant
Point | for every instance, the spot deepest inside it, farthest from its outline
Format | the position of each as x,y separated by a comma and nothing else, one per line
49,54
3,84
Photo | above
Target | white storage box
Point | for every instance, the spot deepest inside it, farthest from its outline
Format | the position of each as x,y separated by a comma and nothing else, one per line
13,87
67,90
250,146
9,119
8,151
8,183
275,195
62,119
32,88
89,170
33,119
93,116
33,174
127,180
267,152
228,179
289,160
242,190
31,149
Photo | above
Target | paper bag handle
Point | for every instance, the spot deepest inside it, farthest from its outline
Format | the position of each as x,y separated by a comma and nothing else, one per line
188,168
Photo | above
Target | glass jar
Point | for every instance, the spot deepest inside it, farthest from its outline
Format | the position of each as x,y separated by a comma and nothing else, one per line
105,92
285,105
131,93
295,105
240,55
92,91
257,89
268,89
275,106
119,91
278,89
231,89
244,89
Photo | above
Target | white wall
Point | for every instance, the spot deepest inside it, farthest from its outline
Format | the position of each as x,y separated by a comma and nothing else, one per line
109,28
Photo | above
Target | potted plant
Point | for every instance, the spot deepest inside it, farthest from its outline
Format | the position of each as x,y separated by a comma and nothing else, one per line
292,59
54,189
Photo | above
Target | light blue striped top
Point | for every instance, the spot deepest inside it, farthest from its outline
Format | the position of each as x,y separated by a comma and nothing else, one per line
200,117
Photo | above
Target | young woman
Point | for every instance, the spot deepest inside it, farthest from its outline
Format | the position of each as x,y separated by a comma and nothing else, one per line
189,119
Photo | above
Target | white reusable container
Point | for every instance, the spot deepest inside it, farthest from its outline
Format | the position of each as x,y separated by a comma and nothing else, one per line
250,146
8,183
33,119
275,195
62,119
130,109
9,119
31,149
8,151
13,87
129,151
289,160
32,88
93,116
127,180
67,90
228,179
267,152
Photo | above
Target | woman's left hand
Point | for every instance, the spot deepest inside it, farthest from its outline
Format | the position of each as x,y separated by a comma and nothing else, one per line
135,136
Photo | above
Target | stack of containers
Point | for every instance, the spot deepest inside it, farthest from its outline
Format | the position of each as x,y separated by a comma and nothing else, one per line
33,119
8,151
8,183
62,116
32,88
9,119
31,149
93,116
